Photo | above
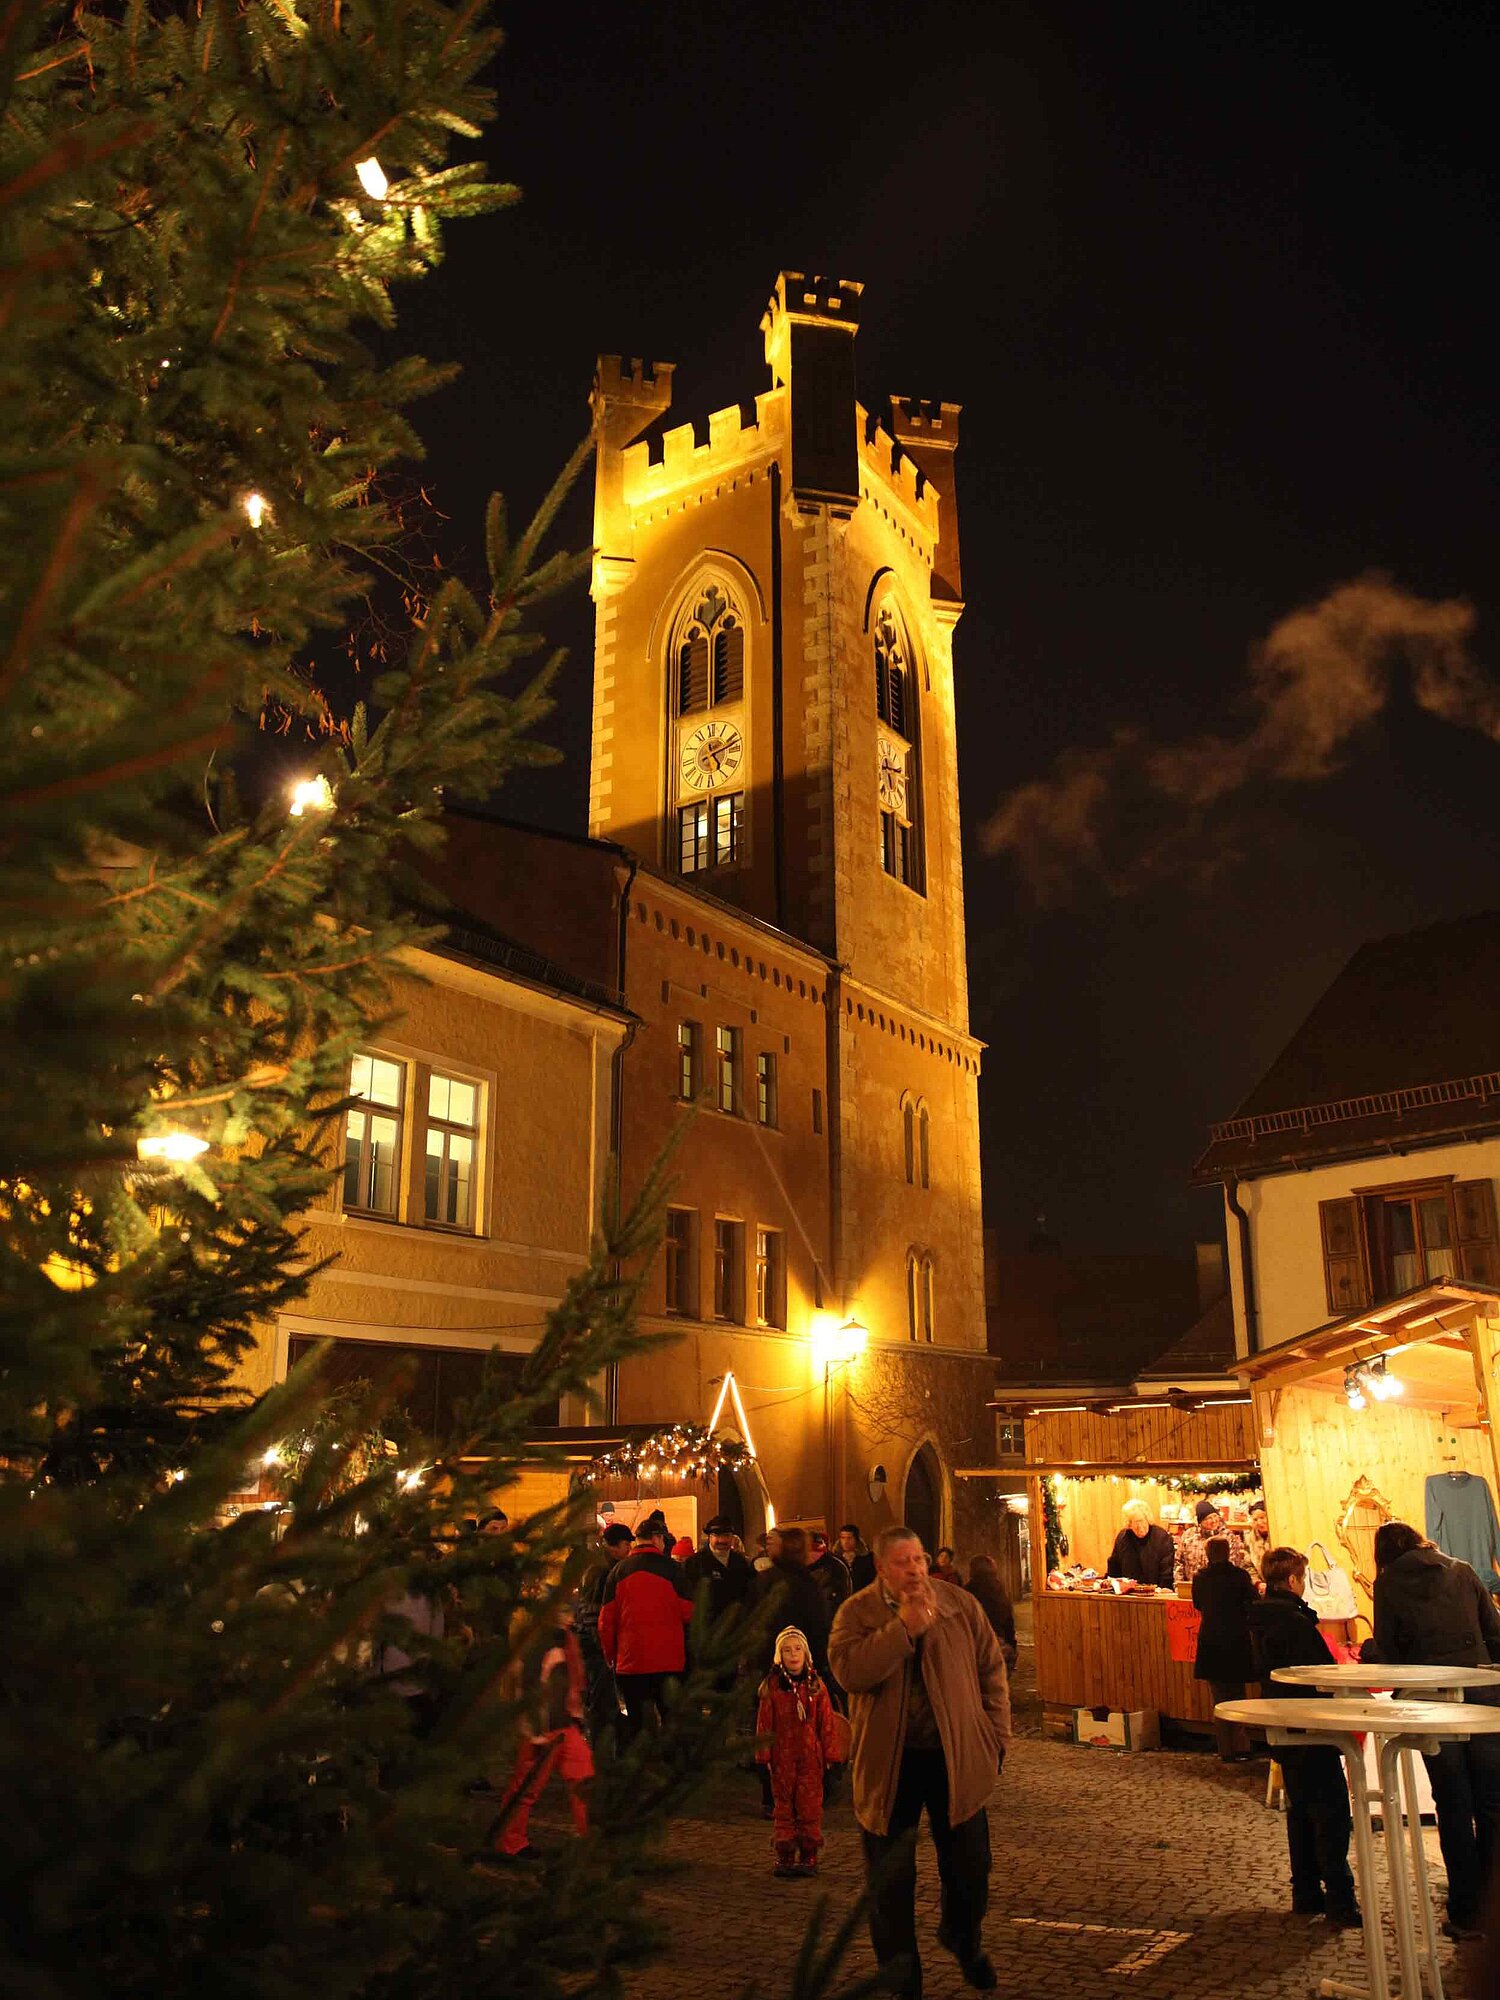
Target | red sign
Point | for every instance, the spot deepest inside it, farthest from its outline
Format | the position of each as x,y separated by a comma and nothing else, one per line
1182,1631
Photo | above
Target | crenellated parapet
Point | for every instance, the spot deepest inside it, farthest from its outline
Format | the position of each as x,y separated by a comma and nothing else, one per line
684,457
890,477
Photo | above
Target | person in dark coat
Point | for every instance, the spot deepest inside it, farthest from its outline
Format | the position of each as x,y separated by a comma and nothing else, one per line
994,1601
1222,1595
727,1576
602,1702
803,1603
860,1560
831,1573
1143,1552
1431,1610
1284,1633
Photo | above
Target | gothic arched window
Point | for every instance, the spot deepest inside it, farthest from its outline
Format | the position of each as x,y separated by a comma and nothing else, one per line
924,1145
710,662
897,753
909,1139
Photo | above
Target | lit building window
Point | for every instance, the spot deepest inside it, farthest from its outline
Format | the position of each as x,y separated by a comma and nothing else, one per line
727,1083
689,1061
710,833
765,1088
770,1277
372,1135
452,1145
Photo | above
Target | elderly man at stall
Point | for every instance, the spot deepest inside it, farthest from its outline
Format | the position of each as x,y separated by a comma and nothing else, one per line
929,1709
1143,1552
1192,1543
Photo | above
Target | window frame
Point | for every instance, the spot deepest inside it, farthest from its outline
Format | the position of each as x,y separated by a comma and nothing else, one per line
680,1256
452,1127
770,1277
712,829
397,1115
729,1270
729,1057
767,1090
689,1061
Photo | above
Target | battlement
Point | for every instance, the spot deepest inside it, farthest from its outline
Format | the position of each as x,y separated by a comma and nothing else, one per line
628,395
880,454
683,456
802,301
916,421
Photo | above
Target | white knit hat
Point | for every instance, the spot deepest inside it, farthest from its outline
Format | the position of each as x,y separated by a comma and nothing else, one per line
791,1632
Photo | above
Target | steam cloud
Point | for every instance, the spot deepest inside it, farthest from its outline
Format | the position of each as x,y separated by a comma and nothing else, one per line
1130,811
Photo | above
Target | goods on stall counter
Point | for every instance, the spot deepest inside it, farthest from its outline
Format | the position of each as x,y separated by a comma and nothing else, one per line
1080,1579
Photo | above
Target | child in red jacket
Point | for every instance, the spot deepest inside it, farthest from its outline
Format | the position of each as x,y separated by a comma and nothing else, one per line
804,1732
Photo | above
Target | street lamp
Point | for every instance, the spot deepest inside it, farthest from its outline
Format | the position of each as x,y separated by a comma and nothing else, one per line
834,1344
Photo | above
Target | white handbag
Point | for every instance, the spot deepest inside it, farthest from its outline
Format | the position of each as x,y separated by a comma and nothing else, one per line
1328,1591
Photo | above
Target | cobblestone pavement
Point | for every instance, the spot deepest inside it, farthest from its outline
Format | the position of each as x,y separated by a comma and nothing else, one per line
1160,1876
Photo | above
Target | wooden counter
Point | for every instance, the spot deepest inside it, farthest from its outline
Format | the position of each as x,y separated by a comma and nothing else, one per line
1096,1650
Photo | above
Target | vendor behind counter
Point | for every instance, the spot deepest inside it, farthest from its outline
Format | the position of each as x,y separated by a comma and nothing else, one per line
1143,1551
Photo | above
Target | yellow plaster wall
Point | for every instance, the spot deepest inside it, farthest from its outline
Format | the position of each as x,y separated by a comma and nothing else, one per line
1283,1210
545,1065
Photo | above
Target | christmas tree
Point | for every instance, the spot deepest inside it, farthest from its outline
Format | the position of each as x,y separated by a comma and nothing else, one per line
206,212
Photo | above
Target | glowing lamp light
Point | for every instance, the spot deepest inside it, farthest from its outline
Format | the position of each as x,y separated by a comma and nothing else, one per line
412,1477
271,1456
256,507
311,795
172,1149
372,178
833,1342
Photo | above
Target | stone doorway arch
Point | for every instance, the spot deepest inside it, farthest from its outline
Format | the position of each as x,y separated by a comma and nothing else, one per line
922,1502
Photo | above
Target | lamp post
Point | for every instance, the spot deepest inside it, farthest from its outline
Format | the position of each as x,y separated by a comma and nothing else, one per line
839,1347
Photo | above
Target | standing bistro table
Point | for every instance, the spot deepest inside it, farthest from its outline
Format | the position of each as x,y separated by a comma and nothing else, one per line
1399,1727
1425,1683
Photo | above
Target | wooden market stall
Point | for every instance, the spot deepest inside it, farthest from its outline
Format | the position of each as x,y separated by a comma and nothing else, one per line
1341,1451
1084,1460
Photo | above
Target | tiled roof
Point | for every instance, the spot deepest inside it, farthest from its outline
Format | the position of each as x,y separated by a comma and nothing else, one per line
1403,1049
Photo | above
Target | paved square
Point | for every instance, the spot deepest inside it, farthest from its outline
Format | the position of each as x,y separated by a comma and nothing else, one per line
1158,1876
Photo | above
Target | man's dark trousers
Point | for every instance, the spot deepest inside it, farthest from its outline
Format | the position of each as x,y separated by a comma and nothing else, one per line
963,1858
641,1694
1465,1780
1318,1825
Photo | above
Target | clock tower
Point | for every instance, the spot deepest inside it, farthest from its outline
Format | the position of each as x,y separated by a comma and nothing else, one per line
776,588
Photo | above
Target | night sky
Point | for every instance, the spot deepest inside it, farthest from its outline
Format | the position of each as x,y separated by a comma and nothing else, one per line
1215,287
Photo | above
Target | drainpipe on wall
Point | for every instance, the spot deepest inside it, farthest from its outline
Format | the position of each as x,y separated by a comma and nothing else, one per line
778,713
1247,1264
617,1121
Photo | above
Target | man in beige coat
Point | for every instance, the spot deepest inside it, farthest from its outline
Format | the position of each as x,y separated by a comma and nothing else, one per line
929,1707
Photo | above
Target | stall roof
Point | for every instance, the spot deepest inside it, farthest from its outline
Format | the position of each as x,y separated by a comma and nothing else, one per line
1446,1306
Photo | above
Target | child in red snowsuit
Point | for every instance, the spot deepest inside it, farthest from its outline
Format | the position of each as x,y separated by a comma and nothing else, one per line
551,1741
797,1716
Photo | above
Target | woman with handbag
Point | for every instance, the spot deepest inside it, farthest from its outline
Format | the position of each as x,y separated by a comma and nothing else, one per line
1222,1597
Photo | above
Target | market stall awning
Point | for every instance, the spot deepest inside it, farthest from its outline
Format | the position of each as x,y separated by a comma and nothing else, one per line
1445,1308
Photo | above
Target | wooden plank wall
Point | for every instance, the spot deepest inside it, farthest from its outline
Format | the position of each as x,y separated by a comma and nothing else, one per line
1162,1437
1322,1446
1112,1652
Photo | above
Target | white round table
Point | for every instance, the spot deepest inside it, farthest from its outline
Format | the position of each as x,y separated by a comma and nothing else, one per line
1423,1683
1399,1727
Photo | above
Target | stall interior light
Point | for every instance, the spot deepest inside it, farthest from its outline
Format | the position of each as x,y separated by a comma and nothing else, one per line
1368,1382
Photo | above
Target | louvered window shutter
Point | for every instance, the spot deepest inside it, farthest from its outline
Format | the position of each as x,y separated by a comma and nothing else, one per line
1344,1271
1478,1249
897,700
692,670
729,663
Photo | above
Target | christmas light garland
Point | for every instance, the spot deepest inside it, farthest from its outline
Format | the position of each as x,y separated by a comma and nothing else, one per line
681,1451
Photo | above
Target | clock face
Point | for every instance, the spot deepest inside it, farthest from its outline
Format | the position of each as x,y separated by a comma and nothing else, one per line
711,755
892,777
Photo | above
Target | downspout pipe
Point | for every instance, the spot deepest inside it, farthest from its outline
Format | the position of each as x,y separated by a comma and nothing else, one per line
617,1118
1247,1264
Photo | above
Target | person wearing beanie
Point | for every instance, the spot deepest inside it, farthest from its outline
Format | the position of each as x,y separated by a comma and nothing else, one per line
800,1736
1192,1543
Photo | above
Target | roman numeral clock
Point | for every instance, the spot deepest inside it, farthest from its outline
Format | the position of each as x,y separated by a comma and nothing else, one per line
710,755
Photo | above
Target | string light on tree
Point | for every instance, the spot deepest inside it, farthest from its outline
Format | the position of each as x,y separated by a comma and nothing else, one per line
170,1149
311,795
372,178
255,507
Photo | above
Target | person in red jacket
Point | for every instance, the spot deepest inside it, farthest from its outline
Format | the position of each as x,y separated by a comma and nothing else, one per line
798,1719
643,1621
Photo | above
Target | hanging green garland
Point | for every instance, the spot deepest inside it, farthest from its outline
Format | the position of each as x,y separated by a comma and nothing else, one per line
1053,1536
681,1451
